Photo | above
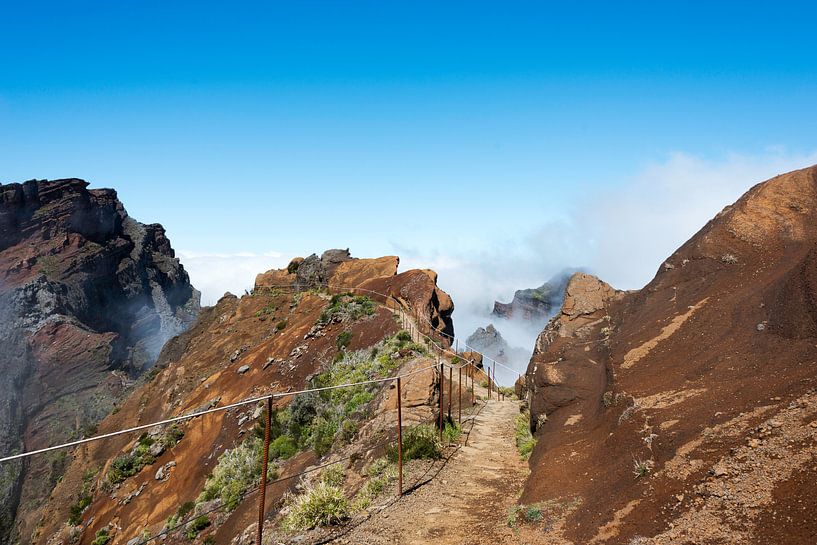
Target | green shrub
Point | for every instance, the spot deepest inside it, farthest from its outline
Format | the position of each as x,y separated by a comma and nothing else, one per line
507,391
129,464
343,340
102,537
403,336
528,513
524,438
333,475
380,474
346,307
185,509
122,467
451,432
283,447
77,509
533,513
196,526
281,325
237,470
419,442
322,505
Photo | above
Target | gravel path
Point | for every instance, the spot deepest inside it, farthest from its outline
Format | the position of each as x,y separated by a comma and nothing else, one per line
468,501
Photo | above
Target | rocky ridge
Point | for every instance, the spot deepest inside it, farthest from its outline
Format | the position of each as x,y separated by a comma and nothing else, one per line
664,415
278,338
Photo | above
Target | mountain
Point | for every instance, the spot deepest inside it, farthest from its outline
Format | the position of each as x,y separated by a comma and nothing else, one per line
686,412
88,297
489,341
535,304
299,327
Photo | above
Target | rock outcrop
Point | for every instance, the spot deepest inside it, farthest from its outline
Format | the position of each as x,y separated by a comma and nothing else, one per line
490,342
681,412
535,304
88,297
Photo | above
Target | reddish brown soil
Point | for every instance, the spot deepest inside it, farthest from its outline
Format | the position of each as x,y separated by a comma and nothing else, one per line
200,368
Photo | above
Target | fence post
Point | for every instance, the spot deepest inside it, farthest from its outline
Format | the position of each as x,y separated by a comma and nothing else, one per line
450,386
399,440
473,391
459,405
442,385
262,496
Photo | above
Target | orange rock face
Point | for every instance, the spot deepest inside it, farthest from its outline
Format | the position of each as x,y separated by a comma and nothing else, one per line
668,407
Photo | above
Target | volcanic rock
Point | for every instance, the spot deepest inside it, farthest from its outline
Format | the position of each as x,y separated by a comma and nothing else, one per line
88,297
535,304
647,370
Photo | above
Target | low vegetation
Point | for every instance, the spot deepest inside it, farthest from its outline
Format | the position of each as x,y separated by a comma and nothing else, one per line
524,438
128,465
507,391
318,420
238,470
323,504
84,498
102,537
381,473
451,432
419,442
343,340
345,308
525,513
196,526
641,468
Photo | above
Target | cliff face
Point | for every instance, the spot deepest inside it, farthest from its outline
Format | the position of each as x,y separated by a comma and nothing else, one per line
686,412
88,297
281,337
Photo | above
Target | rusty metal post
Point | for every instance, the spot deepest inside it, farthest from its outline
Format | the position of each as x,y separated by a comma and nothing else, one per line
262,496
450,385
473,389
399,440
459,405
442,385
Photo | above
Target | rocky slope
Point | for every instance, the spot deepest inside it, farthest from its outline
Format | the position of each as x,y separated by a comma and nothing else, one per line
686,412
88,296
293,330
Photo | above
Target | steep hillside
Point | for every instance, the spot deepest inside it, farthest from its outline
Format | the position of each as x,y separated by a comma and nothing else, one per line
88,296
686,412
294,330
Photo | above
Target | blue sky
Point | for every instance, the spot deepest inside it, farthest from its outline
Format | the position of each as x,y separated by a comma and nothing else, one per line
496,142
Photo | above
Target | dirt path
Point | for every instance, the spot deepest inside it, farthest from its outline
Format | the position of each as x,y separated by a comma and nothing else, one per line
468,501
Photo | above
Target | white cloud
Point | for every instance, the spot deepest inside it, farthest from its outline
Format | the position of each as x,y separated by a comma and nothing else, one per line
628,233
622,235
216,273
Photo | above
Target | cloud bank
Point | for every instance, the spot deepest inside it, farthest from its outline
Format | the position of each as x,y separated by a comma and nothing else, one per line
621,235
215,274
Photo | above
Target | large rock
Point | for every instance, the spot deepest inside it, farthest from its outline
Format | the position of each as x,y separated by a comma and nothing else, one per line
85,290
553,379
